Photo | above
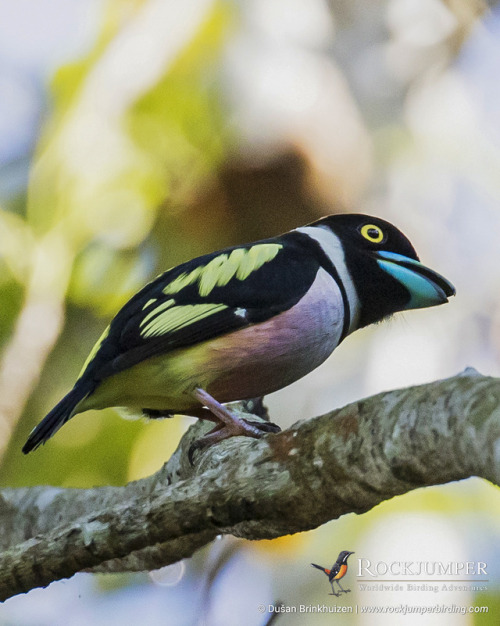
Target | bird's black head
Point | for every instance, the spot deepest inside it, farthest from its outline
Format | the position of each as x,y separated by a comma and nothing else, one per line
384,268
343,556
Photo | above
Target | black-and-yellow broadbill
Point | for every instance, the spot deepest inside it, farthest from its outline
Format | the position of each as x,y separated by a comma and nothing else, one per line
246,321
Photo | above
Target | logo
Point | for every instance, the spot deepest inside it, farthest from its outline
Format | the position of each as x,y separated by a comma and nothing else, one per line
337,571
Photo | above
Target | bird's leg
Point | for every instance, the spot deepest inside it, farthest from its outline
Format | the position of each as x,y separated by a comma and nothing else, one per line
226,423
342,588
334,593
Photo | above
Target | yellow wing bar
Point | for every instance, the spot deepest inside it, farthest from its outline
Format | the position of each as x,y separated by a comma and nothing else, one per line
240,263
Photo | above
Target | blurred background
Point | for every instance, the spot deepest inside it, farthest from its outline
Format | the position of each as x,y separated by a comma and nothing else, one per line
137,134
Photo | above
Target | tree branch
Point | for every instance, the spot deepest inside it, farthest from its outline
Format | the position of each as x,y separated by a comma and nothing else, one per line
346,461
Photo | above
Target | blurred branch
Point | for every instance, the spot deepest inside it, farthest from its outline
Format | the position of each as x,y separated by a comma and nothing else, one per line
35,334
37,328
346,461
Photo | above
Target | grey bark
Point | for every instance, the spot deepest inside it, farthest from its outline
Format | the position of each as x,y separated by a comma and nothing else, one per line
346,461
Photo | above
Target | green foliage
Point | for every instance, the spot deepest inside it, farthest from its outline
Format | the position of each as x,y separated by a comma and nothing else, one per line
105,167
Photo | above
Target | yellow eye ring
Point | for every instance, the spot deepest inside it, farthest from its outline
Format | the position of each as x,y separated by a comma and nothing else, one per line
373,233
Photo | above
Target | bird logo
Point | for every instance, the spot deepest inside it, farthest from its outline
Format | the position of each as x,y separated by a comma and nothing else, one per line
337,571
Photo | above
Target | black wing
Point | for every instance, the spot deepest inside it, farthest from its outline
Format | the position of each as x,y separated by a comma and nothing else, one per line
204,298
334,571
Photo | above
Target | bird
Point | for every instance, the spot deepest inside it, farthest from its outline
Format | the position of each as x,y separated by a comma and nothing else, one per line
338,571
246,321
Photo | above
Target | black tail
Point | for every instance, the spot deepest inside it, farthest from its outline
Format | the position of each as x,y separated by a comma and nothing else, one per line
320,568
59,415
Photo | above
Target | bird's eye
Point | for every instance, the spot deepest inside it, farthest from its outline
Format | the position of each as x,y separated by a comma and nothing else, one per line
373,233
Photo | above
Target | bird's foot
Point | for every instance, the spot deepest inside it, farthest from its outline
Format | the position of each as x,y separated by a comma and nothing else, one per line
227,425
334,594
264,427
241,427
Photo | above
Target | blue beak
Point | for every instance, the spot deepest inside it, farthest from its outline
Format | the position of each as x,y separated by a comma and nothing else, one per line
426,287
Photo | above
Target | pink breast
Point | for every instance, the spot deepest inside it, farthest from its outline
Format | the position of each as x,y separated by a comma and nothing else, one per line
271,355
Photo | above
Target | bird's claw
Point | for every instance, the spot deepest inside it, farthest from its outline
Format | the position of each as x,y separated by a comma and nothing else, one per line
265,427
243,427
